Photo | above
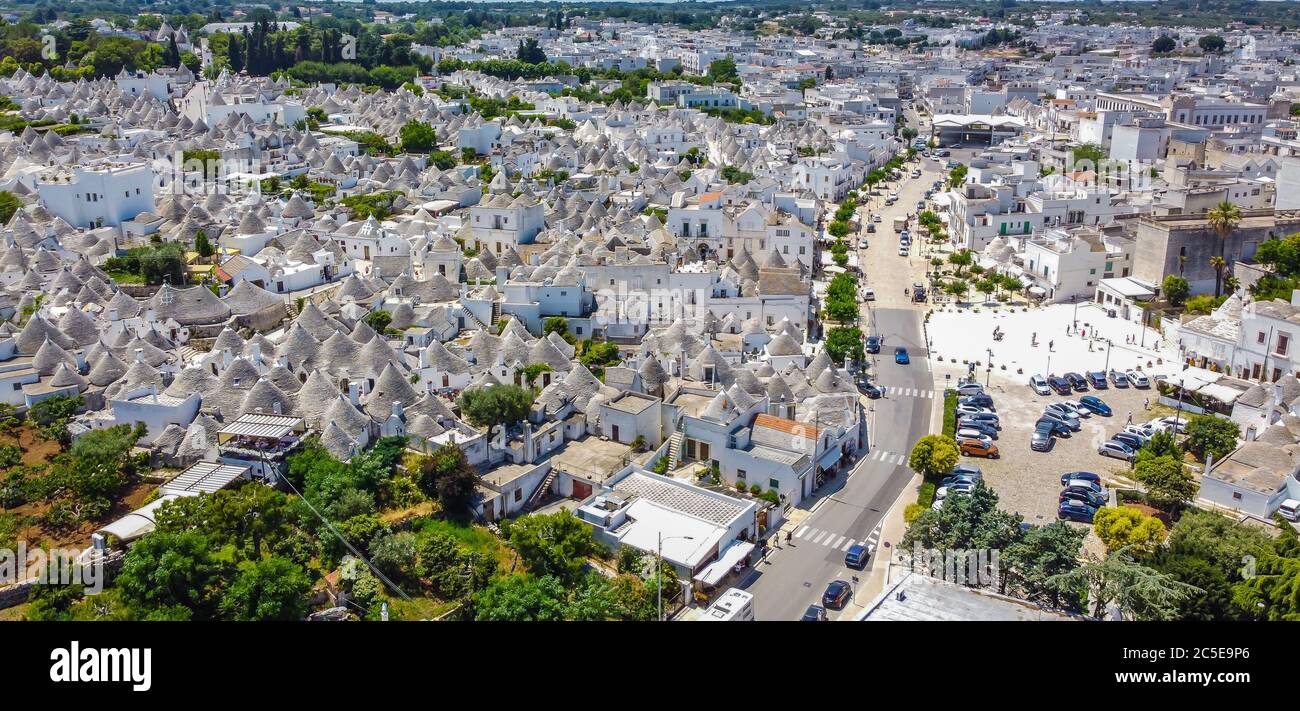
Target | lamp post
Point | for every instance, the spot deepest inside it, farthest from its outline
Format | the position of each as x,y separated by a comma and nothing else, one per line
1106,369
1074,299
659,569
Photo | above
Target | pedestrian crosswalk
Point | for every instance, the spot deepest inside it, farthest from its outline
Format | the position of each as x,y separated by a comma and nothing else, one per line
836,541
881,455
913,392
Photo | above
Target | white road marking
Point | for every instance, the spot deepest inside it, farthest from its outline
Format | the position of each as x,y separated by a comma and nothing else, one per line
800,532
820,535
836,544
848,545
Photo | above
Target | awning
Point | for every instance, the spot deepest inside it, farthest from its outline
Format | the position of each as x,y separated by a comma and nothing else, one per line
138,522
1037,291
718,569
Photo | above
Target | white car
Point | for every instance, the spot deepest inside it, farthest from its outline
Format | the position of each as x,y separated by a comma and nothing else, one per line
969,388
1079,409
1177,425
974,434
973,410
902,251
1039,384
877,218
1137,379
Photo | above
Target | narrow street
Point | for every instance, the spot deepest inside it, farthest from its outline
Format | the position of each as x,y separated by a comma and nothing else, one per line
850,510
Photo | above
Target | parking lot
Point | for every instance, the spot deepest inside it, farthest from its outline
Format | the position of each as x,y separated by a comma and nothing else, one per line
1028,482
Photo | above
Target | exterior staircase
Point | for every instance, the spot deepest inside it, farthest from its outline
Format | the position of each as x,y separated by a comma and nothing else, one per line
541,490
496,312
476,320
675,449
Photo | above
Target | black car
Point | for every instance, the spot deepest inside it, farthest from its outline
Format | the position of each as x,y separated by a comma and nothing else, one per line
873,344
873,391
1058,427
1041,439
1097,380
1078,382
1059,384
1069,424
1131,440
1067,477
837,594
981,426
987,418
981,400
814,613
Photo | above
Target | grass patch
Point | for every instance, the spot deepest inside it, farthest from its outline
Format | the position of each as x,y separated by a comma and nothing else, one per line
950,413
122,277
475,538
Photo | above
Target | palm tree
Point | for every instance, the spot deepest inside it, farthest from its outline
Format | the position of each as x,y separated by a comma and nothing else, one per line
1231,284
1223,219
1218,263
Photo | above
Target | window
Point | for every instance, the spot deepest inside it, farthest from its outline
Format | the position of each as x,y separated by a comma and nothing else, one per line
519,495
773,484
1283,342
740,473
1259,338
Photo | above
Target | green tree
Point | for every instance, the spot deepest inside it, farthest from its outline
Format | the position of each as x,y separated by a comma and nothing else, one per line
269,589
723,70
1126,527
1139,592
1212,44
449,477
1161,444
379,320
1163,44
1168,484
965,523
530,52
203,245
418,137
844,341
9,204
1223,219
171,576
1210,436
495,405
933,455
552,544
1176,289
521,598
1031,564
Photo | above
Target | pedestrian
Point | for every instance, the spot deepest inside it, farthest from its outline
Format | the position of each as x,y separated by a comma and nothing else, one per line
1083,333
1051,345
1130,419
1146,404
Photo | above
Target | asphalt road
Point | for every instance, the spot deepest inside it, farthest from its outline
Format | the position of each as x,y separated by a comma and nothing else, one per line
850,510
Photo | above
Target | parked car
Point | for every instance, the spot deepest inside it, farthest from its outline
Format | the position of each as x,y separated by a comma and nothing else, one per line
984,428
1059,384
871,228
971,471
873,344
1087,496
966,476
1093,486
1117,450
1062,410
1076,511
868,294
1066,422
967,433
1176,425
1067,477
1077,382
901,357
1118,379
1058,428
1074,406
1041,439
969,387
959,487
1039,385
875,392
973,410
814,613
980,400
977,448
857,556
988,418
1132,441
837,594
1137,379
1095,405
902,250
1145,431
1096,379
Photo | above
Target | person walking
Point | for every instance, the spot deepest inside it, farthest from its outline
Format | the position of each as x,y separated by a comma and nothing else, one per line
1051,345
1130,419
1146,404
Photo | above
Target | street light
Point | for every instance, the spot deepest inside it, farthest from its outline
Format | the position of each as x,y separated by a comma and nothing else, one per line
659,569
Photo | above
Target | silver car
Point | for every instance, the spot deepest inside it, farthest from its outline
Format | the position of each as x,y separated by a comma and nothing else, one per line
1137,379
1039,384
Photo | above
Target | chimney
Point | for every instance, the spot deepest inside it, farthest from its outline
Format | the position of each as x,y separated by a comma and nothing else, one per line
503,273
112,314
397,410
139,355
354,392
256,352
